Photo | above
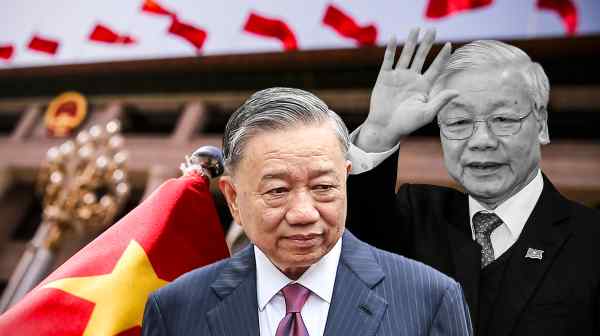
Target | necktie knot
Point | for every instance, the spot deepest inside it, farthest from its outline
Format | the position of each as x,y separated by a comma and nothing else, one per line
292,324
485,222
295,296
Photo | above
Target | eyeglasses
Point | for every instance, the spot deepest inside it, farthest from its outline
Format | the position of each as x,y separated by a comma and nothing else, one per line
499,124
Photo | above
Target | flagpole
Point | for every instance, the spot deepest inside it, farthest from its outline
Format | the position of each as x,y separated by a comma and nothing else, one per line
34,264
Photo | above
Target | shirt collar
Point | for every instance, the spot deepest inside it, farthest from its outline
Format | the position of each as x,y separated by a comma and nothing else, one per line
319,278
515,211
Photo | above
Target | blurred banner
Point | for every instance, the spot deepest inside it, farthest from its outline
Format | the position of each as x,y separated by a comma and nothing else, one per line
37,33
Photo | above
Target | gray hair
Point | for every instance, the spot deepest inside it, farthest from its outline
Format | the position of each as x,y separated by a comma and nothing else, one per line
490,53
276,109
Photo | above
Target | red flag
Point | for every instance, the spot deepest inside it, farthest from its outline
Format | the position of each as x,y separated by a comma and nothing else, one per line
194,35
278,29
566,9
102,289
102,33
151,6
346,26
44,45
440,8
6,51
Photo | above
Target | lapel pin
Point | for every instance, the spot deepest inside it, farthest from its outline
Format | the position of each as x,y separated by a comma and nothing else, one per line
534,253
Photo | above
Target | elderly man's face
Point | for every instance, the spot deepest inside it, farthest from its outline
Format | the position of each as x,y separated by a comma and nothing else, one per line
289,194
493,168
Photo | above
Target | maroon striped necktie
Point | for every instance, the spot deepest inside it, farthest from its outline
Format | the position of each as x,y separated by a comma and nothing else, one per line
295,296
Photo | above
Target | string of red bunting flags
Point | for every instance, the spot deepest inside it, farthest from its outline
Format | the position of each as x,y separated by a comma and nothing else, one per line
273,28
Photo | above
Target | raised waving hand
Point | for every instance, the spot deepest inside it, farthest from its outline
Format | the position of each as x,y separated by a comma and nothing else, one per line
401,101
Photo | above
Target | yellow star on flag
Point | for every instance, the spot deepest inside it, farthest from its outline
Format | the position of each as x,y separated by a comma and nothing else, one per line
119,296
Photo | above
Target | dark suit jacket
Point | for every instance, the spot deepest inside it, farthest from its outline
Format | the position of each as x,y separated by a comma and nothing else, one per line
375,293
558,295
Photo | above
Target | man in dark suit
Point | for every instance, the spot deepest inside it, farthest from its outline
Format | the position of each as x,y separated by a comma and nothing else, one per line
285,184
526,256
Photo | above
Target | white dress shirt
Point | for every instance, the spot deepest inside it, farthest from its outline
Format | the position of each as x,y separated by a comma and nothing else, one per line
363,161
514,212
319,278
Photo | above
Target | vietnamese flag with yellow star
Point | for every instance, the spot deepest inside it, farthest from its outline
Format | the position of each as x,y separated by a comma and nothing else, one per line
103,288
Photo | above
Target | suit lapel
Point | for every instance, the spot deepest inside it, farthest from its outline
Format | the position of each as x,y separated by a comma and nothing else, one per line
355,307
466,254
237,312
545,230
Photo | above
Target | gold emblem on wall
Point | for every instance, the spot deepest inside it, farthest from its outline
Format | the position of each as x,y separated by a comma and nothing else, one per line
65,113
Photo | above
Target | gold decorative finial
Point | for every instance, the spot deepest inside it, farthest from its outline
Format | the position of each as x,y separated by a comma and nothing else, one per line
84,181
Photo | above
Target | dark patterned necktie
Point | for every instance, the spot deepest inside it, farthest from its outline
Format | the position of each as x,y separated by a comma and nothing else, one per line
295,296
483,224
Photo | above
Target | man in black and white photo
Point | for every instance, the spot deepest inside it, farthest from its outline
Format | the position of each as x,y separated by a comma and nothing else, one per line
526,257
